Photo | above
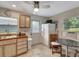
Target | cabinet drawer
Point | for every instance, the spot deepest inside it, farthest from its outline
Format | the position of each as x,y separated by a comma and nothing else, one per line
21,50
22,39
20,43
9,41
22,46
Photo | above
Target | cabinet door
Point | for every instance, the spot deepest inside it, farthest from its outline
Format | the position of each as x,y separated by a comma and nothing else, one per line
24,21
1,48
27,21
1,53
10,50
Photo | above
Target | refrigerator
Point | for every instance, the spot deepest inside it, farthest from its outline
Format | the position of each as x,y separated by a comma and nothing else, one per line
46,30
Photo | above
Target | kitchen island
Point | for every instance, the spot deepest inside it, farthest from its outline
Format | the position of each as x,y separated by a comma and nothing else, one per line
13,45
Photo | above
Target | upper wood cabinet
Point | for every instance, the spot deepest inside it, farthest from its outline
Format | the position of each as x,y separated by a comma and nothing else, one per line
24,21
27,21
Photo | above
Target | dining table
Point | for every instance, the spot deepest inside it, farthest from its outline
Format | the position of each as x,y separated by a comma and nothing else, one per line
69,43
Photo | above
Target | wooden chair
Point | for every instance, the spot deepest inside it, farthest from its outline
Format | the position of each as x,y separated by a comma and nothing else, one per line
56,48
52,38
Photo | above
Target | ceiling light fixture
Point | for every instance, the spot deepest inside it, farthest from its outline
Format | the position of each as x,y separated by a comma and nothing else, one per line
36,6
13,5
36,9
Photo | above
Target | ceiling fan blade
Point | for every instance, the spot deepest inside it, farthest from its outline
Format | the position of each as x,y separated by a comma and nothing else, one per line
44,6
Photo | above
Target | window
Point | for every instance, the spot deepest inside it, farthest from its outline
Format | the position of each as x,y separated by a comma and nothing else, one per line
8,25
35,26
71,24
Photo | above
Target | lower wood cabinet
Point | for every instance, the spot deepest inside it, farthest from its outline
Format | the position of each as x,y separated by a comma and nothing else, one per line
10,50
22,45
1,53
13,47
20,51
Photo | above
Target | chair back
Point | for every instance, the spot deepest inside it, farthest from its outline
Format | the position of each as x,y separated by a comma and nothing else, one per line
53,37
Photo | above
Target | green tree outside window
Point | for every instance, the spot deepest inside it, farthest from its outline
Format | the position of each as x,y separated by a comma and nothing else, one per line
71,24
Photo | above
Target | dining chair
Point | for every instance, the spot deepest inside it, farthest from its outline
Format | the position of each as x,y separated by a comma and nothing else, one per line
56,48
52,38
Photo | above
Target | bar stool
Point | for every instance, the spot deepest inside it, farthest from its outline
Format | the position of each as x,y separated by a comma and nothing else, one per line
56,48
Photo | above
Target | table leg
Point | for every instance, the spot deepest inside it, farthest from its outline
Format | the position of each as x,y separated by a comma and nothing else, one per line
67,51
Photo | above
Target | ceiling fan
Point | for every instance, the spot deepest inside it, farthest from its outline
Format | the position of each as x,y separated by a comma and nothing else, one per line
39,4
36,6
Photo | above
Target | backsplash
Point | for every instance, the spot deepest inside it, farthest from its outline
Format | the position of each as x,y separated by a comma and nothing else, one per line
8,29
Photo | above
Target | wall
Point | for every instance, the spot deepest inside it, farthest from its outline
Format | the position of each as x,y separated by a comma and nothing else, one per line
8,13
60,17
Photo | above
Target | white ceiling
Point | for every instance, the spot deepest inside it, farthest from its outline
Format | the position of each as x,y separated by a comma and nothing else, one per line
27,7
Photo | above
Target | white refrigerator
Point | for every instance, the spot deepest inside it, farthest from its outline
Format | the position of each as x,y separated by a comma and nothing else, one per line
45,31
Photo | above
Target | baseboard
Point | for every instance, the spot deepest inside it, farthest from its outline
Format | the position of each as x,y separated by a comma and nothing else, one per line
36,44
39,44
21,54
45,45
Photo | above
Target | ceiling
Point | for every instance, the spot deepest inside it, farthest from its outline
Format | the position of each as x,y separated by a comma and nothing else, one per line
47,8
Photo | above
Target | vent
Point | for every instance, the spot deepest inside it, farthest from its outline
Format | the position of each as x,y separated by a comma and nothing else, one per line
44,6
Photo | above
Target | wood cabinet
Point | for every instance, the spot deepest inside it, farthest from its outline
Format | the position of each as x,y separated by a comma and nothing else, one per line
13,46
27,21
24,21
7,49
10,50
22,45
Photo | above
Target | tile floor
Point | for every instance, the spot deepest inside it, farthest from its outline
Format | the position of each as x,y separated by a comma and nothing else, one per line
39,51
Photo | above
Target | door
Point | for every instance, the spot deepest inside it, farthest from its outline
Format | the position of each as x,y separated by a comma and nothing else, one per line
35,32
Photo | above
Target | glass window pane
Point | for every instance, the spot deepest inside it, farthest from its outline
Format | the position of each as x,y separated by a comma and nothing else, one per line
35,26
8,25
71,24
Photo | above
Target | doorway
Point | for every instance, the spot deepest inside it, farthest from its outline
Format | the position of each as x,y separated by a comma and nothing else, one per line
35,32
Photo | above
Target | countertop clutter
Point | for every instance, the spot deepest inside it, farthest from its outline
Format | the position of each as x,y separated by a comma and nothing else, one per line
13,44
